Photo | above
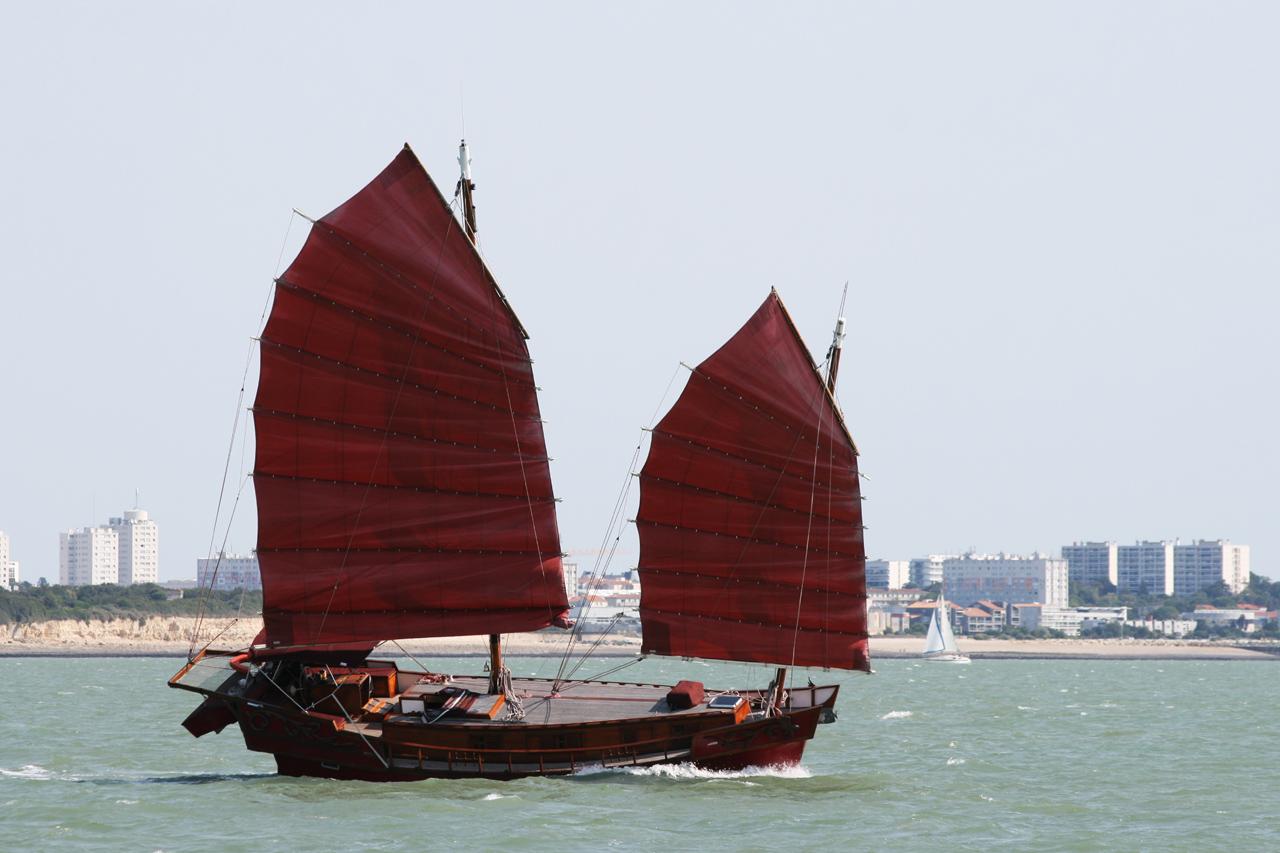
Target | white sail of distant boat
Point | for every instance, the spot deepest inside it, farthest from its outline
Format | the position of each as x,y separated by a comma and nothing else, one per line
940,642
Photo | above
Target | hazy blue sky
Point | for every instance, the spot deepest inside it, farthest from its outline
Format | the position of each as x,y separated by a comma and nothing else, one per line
1058,221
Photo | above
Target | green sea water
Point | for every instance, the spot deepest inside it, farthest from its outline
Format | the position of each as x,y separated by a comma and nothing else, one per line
1014,755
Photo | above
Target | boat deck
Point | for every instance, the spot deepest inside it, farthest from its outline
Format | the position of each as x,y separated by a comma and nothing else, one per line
417,700
581,701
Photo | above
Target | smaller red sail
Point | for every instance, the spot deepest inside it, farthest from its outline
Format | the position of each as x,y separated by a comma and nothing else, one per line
750,516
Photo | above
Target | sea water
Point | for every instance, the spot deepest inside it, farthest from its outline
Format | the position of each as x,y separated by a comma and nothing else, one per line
1015,755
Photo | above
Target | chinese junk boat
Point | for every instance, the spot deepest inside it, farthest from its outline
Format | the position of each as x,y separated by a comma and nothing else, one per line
404,490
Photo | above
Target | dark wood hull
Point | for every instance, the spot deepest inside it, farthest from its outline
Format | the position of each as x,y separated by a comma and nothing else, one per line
561,734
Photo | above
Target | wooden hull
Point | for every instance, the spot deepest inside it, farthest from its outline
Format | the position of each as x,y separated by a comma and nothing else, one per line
305,747
580,726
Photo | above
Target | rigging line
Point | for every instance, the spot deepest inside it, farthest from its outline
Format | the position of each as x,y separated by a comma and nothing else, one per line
616,520
221,552
425,668
600,675
595,645
262,318
804,565
289,696
602,562
382,446
524,477
222,490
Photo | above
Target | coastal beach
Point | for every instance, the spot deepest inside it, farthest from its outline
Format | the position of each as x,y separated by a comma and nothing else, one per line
165,636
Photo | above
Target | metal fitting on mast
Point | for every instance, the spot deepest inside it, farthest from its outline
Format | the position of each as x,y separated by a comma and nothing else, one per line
465,188
833,354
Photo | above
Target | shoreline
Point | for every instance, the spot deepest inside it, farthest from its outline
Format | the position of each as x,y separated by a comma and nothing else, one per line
169,637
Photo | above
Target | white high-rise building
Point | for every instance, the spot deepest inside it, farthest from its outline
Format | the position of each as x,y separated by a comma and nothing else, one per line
1145,567
888,574
926,571
227,572
1204,563
1007,578
139,542
570,580
1092,562
8,566
89,556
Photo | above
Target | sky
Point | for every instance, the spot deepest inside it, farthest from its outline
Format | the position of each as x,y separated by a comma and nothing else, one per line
1058,223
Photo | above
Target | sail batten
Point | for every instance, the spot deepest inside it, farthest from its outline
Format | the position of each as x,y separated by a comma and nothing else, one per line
401,473
353,314
750,515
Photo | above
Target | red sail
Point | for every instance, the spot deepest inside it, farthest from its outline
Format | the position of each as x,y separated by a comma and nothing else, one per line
402,478
750,514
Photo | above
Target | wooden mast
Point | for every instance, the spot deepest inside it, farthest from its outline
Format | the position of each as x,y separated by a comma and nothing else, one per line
465,189
833,367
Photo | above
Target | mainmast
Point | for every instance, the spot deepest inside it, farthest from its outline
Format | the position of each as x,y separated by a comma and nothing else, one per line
466,187
833,367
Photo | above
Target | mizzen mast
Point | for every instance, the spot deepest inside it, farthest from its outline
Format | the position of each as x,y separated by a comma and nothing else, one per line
833,368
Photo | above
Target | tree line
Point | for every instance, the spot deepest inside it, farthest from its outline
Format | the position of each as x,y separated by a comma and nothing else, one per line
102,602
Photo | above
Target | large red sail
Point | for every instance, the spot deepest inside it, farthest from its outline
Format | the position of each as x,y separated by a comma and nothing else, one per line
402,478
750,515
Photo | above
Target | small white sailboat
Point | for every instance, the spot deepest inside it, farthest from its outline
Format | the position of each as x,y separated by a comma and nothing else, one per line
940,642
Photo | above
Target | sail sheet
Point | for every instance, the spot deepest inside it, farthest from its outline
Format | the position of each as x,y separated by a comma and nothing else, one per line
750,520
402,478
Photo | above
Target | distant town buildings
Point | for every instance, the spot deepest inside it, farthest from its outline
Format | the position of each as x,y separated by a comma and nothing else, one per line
89,556
126,550
609,601
8,566
1204,563
139,547
888,574
1069,620
1249,618
228,572
1160,568
570,580
974,577
1092,562
1145,567
926,571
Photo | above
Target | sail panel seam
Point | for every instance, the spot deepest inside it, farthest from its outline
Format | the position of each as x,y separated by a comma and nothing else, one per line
758,623
739,498
755,581
400,330
399,383
276,413
405,488
748,539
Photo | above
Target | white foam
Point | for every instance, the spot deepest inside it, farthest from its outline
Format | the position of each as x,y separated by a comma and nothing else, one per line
488,798
690,771
1026,708
952,762
28,771
896,715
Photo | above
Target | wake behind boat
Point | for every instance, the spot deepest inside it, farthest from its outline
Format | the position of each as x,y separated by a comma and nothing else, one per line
404,490
940,643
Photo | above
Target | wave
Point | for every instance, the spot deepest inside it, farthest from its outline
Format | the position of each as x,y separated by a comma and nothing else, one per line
28,771
953,762
896,715
692,772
